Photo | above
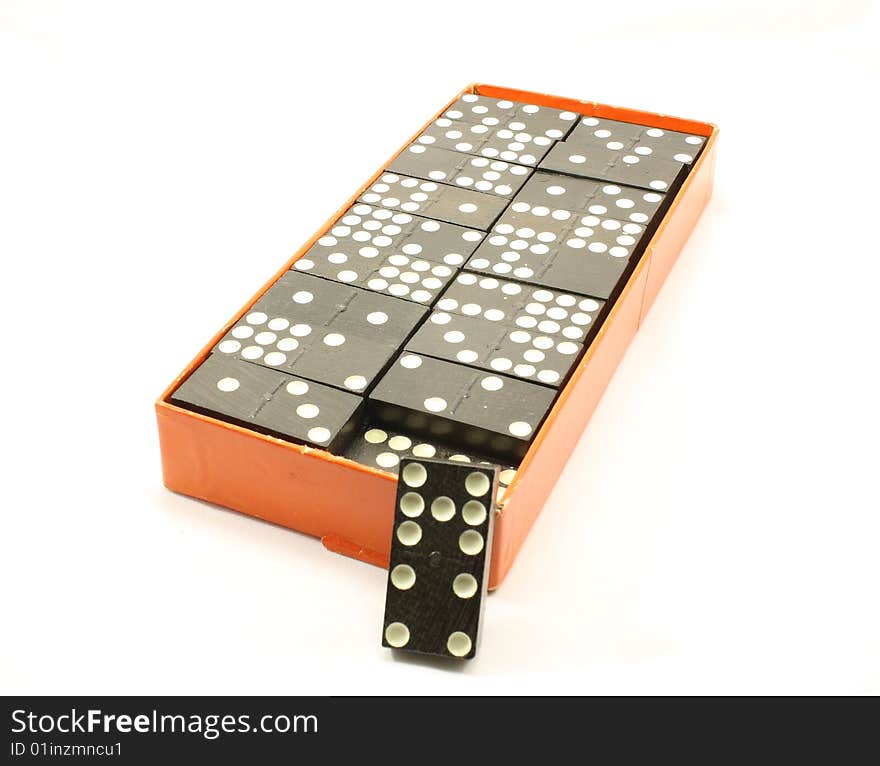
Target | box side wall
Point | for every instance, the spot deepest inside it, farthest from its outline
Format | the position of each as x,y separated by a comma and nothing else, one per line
594,109
670,238
564,426
305,489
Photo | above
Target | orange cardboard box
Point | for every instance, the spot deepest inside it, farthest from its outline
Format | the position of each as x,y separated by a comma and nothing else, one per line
349,506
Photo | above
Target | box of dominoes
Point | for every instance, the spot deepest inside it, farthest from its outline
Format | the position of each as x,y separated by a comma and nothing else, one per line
470,302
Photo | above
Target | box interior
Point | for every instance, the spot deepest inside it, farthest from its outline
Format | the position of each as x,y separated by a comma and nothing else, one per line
537,471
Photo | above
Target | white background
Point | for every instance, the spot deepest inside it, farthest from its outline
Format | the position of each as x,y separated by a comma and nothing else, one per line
717,528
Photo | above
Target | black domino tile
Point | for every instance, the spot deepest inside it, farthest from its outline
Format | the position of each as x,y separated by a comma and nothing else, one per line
272,402
496,347
513,145
617,134
325,331
476,295
497,177
619,167
403,276
482,412
475,109
561,315
584,254
390,252
641,140
464,207
507,144
519,116
456,135
440,552
542,121
556,191
553,191
502,326
458,339
379,447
